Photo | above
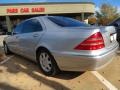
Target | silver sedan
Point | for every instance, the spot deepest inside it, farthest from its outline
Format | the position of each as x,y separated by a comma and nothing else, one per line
60,43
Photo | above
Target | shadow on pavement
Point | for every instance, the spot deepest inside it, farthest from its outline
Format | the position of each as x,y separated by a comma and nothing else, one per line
67,75
20,64
4,86
2,55
1,50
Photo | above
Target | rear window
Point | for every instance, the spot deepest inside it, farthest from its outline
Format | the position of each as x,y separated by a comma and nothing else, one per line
67,22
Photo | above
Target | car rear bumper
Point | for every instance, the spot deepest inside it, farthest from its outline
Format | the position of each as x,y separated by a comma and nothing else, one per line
84,63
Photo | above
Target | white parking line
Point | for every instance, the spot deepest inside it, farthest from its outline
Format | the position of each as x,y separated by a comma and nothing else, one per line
104,81
4,61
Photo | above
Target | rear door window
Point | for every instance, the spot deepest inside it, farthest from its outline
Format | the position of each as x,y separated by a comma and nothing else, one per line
32,25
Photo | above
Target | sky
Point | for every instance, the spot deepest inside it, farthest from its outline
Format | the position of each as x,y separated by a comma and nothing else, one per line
115,3
97,2
112,2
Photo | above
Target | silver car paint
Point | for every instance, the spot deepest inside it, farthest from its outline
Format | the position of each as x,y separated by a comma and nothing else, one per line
61,42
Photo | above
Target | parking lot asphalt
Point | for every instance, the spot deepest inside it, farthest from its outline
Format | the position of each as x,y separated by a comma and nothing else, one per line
19,73
112,71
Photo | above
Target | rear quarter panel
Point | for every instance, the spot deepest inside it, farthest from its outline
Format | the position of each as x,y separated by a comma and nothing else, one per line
64,40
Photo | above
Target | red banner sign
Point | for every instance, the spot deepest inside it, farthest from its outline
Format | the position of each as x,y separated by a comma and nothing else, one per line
25,10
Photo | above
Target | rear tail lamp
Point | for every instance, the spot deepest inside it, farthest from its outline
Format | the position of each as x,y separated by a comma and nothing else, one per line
94,42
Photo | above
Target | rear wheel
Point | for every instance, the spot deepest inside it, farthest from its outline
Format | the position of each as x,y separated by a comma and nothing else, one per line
47,63
6,49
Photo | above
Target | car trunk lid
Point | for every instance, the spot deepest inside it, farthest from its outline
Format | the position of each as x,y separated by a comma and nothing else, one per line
108,33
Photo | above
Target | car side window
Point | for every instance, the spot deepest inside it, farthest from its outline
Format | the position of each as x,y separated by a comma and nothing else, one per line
118,22
32,25
18,29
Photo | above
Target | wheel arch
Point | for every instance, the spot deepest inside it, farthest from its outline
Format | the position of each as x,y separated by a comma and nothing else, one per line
4,42
56,68
44,48
38,50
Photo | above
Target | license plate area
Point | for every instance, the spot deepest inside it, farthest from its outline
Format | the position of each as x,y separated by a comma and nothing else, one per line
113,37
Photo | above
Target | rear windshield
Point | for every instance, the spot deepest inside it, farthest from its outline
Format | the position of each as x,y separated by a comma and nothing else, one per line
67,22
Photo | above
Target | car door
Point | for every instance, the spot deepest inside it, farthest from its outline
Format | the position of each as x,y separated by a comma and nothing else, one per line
32,32
13,41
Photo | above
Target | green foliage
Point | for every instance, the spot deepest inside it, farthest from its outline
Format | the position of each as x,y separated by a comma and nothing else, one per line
106,14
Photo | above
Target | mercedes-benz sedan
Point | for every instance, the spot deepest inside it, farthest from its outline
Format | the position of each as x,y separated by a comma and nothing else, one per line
61,43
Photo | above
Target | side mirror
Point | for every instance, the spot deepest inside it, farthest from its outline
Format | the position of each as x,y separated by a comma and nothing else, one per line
14,33
9,33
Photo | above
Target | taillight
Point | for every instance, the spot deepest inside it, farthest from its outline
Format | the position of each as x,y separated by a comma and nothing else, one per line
94,42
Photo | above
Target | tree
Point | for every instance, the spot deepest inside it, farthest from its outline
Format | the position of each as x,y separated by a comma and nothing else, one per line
92,20
106,14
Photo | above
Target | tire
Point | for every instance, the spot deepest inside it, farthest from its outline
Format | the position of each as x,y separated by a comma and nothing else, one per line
47,63
6,49
118,39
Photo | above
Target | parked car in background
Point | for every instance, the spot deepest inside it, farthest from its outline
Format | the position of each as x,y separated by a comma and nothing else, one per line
61,43
116,24
3,28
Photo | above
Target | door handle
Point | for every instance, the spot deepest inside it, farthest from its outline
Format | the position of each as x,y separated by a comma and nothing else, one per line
17,36
35,35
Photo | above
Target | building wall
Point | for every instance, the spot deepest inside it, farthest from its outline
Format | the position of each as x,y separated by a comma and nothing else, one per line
46,9
77,10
